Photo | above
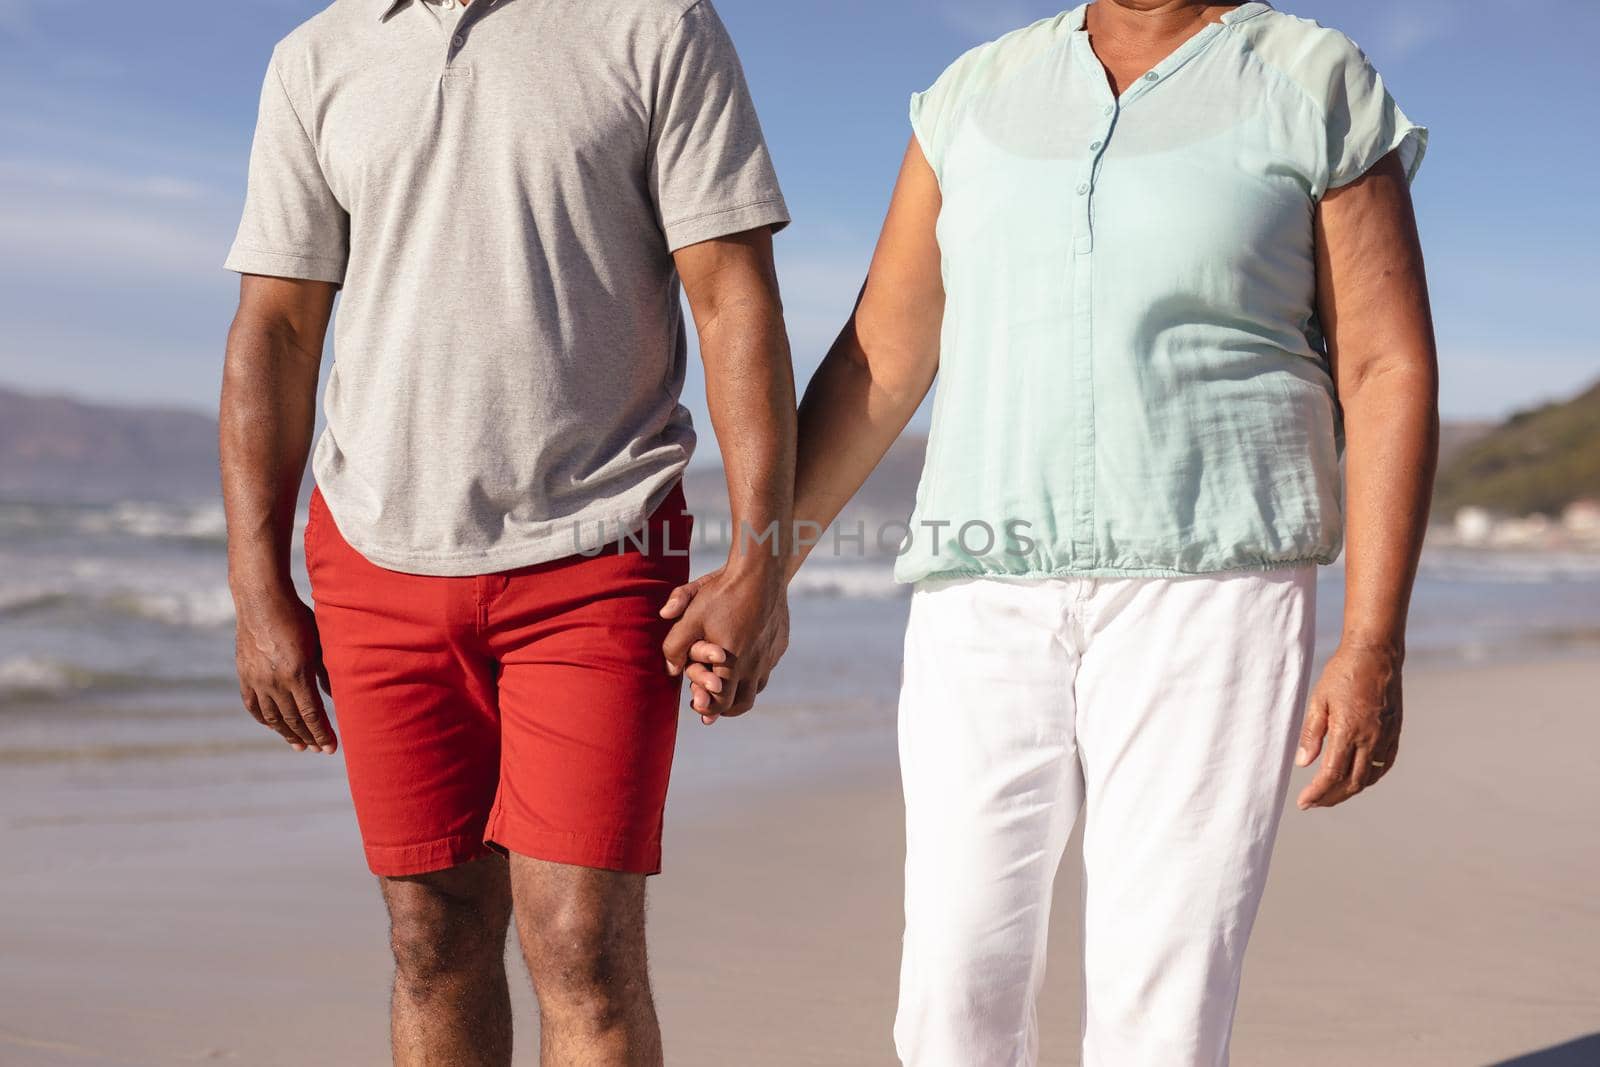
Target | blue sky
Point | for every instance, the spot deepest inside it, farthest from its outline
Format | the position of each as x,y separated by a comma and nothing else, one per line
125,129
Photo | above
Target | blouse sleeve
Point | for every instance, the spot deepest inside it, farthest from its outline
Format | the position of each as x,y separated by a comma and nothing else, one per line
935,112
1363,122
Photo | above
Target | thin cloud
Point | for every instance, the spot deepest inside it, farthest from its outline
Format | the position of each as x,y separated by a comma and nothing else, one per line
1406,29
984,22
18,176
67,219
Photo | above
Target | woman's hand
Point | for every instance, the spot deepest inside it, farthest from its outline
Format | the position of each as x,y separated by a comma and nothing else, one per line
729,636
1353,720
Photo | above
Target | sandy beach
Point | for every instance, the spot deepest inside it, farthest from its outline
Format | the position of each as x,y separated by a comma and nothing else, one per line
210,906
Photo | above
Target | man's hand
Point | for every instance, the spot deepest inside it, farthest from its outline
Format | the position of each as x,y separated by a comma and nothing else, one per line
731,632
1356,708
280,666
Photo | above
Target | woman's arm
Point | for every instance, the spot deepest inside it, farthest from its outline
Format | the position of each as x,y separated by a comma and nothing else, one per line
884,362
1372,296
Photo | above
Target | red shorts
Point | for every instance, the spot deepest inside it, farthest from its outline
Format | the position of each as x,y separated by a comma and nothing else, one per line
529,711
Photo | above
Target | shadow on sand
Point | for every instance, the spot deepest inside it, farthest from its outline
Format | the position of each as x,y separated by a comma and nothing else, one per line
1584,1052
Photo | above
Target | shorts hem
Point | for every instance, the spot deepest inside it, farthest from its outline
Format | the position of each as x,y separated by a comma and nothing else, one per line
404,861
596,851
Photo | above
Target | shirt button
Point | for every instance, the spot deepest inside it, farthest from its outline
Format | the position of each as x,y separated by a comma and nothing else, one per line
1109,109
1084,188
458,40
1152,76
1095,147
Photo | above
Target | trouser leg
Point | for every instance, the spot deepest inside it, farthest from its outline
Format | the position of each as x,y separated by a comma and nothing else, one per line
1190,696
992,789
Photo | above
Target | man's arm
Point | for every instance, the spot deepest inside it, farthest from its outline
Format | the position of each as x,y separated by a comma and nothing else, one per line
870,384
269,389
732,287
1373,302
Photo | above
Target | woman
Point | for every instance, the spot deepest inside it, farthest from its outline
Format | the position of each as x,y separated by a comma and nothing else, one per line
1162,255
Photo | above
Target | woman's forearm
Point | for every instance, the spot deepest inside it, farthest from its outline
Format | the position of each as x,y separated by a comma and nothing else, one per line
849,418
1392,447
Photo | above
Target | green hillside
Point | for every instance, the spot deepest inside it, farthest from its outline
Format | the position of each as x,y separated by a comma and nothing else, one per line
1537,461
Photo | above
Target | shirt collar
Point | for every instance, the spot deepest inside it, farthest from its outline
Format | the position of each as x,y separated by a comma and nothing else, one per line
387,8
1077,16
1245,11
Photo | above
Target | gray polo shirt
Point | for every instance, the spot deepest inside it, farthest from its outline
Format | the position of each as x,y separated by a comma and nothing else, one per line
499,193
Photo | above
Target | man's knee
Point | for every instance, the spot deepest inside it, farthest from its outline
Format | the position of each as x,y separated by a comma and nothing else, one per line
448,924
583,937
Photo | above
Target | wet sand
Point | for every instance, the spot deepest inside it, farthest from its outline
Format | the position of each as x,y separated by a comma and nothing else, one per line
213,908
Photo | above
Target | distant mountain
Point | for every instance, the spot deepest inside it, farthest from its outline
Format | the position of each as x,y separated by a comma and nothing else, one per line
55,448
1457,437
1536,461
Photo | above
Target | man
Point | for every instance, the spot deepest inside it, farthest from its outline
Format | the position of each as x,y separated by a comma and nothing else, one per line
508,193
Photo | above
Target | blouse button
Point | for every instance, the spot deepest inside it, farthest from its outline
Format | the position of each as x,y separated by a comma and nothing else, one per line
1095,147
1083,188
1152,76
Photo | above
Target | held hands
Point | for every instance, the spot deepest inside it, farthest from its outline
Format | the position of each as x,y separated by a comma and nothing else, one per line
732,629
280,666
1356,708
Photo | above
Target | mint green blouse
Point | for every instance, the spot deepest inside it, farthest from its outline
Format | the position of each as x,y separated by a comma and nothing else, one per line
1132,379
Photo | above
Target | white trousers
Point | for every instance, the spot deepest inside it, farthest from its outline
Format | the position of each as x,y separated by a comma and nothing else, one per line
1168,711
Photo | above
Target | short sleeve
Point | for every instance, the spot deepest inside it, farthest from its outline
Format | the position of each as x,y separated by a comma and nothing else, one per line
1364,124
924,121
933,111
710,171
293,226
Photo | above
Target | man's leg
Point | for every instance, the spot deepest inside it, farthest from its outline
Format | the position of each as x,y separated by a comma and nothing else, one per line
582,933
992,788
421,730
1189,703
451,1006
589,722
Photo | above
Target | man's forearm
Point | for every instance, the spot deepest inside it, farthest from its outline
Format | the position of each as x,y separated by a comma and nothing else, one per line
267,418
1392,437
750,391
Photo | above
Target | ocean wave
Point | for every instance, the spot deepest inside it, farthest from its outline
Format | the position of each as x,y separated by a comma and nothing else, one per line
35,677
18,601
847,581
205,609
202,608
184,522
1518,567
201,522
